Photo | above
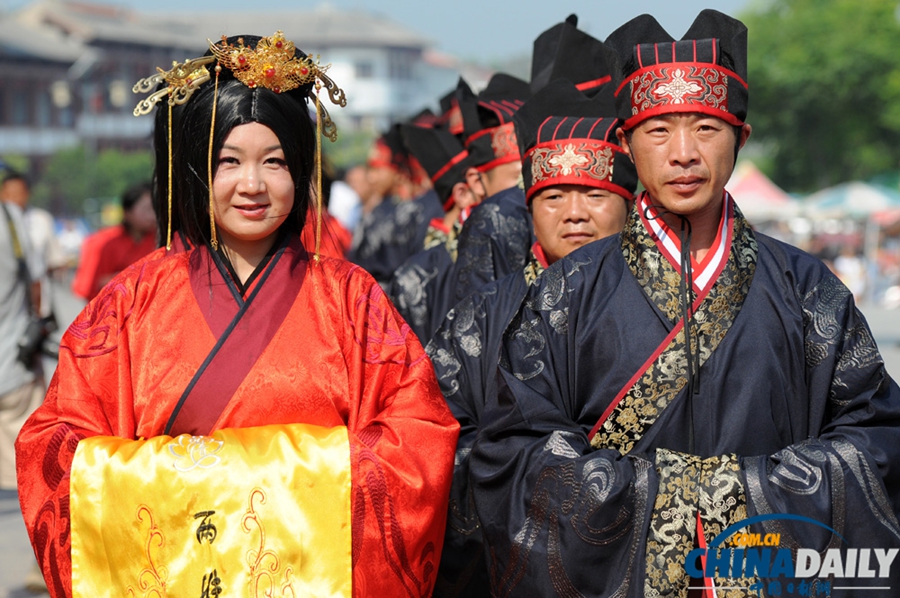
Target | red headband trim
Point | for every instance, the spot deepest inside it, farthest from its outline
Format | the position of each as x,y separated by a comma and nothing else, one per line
592,84
504,144
455,119
586,162
381,156
679,87
446,167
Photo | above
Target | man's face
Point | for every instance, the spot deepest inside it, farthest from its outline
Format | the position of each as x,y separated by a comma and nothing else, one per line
503,177
359,182
15,191
568,216
381,180
684,160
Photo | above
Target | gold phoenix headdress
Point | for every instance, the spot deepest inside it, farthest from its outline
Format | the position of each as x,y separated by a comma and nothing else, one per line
272,64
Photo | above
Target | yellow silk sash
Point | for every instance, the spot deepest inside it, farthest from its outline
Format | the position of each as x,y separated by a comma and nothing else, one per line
245,512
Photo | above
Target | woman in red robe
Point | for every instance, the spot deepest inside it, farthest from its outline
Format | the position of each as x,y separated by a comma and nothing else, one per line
232,415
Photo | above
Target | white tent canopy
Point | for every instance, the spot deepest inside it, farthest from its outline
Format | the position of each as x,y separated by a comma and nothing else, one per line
758,197
851,200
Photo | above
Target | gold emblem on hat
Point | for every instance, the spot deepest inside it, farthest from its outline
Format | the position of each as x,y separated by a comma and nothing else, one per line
677,88
568,159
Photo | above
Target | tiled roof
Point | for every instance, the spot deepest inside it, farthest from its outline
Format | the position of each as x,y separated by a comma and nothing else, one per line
323,26
61,29
23,39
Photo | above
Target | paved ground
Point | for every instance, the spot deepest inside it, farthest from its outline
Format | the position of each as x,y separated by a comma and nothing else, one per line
15,552
16,556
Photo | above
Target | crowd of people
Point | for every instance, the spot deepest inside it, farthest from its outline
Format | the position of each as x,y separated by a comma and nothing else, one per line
531,348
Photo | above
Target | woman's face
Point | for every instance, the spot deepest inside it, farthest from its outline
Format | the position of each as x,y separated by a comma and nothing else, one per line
254,191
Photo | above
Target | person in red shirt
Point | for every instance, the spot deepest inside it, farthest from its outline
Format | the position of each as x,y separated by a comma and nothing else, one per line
109,251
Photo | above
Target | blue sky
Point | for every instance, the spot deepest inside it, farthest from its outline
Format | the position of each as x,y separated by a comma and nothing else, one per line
484,29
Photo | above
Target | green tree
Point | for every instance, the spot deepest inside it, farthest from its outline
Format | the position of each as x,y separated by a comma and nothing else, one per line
13,162
75,175
825,89
350,149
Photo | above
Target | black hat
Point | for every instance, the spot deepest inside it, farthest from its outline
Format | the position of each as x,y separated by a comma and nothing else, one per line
568,138
451,117
706,71
545,47
566,52
441,155
388,151
425,118
487,120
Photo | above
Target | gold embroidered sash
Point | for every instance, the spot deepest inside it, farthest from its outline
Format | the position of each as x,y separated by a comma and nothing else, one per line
662,377
692,492
245,512
533,267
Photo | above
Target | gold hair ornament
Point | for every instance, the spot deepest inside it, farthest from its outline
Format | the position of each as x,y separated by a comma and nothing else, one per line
182,80
319,199
273,64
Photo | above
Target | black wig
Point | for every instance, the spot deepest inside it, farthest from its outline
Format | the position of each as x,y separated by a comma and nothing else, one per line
287,114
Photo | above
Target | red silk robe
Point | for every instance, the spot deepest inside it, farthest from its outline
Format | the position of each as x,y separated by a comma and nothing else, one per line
335,240
336,354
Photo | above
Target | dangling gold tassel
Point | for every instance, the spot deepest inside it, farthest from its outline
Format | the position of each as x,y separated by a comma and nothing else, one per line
169,184
319,199
213,241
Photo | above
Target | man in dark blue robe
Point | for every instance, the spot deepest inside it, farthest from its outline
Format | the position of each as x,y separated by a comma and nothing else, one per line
395,229
420,287
664,388
496,238
570,208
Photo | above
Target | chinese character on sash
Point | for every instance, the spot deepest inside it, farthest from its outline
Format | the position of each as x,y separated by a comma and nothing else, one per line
210,587
206,531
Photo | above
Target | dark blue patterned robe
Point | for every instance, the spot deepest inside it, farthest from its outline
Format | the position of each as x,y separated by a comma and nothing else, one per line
465,351
421,287
794,414
392,232
495,241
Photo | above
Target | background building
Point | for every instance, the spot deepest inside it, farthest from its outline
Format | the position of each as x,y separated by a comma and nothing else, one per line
68,68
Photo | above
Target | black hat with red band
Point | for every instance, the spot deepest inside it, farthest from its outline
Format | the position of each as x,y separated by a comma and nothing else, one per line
388,151
566,52
451,117
426,118
441,155
705,71
568,138
487,118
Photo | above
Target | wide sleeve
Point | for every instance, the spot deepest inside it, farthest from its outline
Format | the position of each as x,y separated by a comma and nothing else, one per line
409,290
88,396
495,241
847,474
461,357
402,440
558,517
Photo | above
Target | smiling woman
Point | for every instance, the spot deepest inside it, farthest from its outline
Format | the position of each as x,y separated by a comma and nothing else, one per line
254,194
235,413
